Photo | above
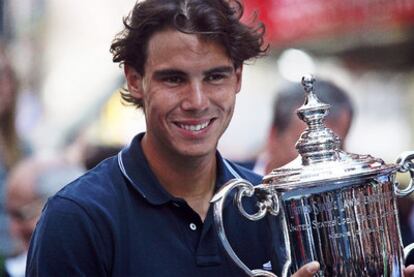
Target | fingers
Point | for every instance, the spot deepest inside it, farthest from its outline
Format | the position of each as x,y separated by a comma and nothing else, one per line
308,270
409,271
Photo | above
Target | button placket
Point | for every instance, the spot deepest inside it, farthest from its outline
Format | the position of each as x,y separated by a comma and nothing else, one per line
193,226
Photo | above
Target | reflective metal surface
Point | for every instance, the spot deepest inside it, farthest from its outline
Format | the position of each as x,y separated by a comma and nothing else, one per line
351,230
406,164
334,207
320,160
245,188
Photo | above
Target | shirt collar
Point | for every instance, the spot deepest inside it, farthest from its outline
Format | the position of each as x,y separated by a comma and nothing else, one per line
134,166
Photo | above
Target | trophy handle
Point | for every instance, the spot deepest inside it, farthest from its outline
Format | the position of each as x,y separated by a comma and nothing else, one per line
271,204
406,164
407,250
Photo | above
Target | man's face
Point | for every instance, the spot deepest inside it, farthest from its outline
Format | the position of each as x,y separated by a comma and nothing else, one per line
282,145
188,90
23,209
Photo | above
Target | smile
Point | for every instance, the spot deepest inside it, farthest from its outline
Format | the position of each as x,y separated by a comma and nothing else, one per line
196,127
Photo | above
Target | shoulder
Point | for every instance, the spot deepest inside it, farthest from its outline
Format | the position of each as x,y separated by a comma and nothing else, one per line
246,173
78,223
98,195
67,239
100,182
249,164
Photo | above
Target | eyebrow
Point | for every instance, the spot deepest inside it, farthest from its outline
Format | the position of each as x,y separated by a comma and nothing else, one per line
220,69
159,74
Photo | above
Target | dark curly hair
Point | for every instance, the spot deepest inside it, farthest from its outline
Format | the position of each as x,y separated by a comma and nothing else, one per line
213,20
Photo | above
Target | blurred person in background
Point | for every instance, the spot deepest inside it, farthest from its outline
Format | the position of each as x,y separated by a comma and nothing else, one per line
88,151
28,186
286,126
94,154
11,147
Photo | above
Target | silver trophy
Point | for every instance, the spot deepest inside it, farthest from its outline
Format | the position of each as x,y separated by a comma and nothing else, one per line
333,207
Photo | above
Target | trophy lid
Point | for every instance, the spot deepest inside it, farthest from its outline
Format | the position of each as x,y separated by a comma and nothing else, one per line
320,158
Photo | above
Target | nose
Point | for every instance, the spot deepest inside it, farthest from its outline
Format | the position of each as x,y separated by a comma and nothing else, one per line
195,97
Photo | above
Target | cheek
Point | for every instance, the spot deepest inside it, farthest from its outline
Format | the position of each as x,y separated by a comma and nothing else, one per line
157,106
31,225
231,107
224,98
296,128
289,142
28,228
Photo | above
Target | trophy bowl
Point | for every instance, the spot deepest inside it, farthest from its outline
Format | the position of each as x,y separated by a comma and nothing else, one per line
333,207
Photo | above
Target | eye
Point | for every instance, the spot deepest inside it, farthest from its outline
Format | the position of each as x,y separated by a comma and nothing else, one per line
216,78
173,80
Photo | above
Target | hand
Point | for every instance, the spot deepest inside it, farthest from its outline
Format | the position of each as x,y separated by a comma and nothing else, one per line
310,269
409,271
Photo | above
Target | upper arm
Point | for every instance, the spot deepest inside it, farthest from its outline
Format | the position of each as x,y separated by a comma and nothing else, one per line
67,242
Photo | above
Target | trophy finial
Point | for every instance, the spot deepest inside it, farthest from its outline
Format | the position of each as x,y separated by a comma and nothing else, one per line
317,143
308,82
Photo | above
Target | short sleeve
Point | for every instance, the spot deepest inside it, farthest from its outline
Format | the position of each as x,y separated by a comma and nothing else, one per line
67,242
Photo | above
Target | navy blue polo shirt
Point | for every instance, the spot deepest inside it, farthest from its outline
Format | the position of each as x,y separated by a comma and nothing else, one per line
117,220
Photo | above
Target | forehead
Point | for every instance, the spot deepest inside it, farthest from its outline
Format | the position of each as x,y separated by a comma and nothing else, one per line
172,48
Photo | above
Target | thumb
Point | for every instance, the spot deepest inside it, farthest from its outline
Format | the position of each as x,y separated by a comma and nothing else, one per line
308,270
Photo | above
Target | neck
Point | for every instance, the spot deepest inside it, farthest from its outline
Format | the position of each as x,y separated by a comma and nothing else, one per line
190,178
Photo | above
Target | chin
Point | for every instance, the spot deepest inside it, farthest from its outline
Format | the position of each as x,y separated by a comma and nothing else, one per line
196,152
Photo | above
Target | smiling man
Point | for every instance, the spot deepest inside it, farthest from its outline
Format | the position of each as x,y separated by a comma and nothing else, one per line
188,92
146,212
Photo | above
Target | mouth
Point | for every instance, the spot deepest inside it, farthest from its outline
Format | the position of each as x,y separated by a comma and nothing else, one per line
195,127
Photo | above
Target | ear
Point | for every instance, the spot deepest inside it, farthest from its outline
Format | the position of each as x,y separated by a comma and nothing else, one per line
272,136
134,82
239,72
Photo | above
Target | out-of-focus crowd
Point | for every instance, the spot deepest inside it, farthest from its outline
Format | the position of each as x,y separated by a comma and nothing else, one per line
28,178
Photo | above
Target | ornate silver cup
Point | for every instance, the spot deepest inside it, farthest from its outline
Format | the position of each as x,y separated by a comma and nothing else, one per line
334,207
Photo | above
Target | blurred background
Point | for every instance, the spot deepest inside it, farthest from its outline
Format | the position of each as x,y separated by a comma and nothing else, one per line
60,51
68,101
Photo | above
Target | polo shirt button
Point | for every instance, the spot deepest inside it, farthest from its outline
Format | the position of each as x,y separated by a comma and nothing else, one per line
193,226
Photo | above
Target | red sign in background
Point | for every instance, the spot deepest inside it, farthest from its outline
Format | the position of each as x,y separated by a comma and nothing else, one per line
290,21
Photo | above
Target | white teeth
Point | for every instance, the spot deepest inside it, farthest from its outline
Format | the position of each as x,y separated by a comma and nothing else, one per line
197,127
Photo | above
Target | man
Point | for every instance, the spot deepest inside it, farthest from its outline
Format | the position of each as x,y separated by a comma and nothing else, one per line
146,212
28,186
287,127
